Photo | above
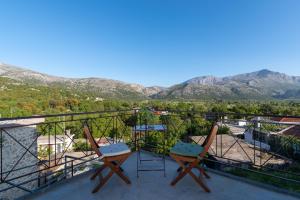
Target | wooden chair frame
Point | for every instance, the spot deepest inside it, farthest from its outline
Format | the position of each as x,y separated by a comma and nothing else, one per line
112,162
187,163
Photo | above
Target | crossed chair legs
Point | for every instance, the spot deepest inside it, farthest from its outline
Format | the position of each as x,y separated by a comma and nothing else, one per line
186,165
114,164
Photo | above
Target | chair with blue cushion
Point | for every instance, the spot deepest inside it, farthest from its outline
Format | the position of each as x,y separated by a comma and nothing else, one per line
190,156
112,156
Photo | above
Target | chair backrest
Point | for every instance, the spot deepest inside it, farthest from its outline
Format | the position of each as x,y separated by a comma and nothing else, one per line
91,139
209,139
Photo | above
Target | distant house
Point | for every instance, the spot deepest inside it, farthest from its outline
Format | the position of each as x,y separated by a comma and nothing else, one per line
241,122
104,141
160,112
235,129
258,137
98,99
286,120
237,122
293,131
58,143
262,138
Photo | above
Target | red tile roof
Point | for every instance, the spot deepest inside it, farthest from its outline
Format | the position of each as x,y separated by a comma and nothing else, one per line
293,131
102,140
286,119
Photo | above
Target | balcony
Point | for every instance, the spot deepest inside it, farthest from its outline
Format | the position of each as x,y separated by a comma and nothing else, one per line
47,157
153,185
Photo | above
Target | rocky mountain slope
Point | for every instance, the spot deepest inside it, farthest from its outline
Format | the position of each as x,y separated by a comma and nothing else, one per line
101,86
263,84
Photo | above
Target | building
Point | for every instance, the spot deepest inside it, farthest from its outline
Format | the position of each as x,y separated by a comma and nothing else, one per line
286,120
293,131
241,122
104,141
258,137
155,112
262,138
58,143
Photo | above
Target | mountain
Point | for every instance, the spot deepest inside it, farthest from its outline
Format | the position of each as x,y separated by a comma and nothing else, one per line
263,84
102,87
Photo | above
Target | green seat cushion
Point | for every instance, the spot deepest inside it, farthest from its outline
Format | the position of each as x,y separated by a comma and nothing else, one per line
187,149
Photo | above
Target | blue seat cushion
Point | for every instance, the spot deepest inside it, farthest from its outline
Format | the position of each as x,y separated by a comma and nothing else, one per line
186,149
114,149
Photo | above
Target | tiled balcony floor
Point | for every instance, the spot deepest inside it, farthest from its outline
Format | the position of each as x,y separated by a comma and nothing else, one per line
154,186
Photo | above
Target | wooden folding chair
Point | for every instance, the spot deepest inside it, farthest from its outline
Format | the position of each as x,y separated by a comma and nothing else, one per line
112,156
190,156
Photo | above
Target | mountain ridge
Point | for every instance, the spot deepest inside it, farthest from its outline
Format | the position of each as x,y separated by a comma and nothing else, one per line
106,86
262,84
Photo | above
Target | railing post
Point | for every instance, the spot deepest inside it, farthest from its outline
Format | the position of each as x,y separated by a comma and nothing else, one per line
260,138
1,154
49,146
135,136
254,143
117,133
55,144
65,171
217,118
222,121
39,180
112,130
45,175
164,147
72,168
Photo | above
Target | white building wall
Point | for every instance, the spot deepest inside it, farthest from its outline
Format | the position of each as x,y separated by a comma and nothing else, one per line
249,139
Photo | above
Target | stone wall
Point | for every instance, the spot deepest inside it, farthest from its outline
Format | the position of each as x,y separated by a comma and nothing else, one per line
16,156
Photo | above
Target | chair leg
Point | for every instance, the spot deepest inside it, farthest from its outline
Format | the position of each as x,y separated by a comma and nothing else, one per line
98,171
199,181
203,172
184,171
115,167
122,176
187,169
103,181
180,168
114,164
180,176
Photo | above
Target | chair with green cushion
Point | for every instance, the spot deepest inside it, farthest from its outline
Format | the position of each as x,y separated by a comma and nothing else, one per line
113,156
190,156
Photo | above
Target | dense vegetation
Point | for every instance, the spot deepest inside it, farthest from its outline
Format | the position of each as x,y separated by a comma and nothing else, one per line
20,99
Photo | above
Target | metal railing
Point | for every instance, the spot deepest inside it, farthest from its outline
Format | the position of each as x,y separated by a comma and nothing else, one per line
35,154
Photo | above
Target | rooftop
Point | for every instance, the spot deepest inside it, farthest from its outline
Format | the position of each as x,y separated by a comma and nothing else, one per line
286,119
292,131
153,185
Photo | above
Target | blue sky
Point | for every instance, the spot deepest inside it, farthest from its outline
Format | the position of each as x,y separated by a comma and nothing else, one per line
151,42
